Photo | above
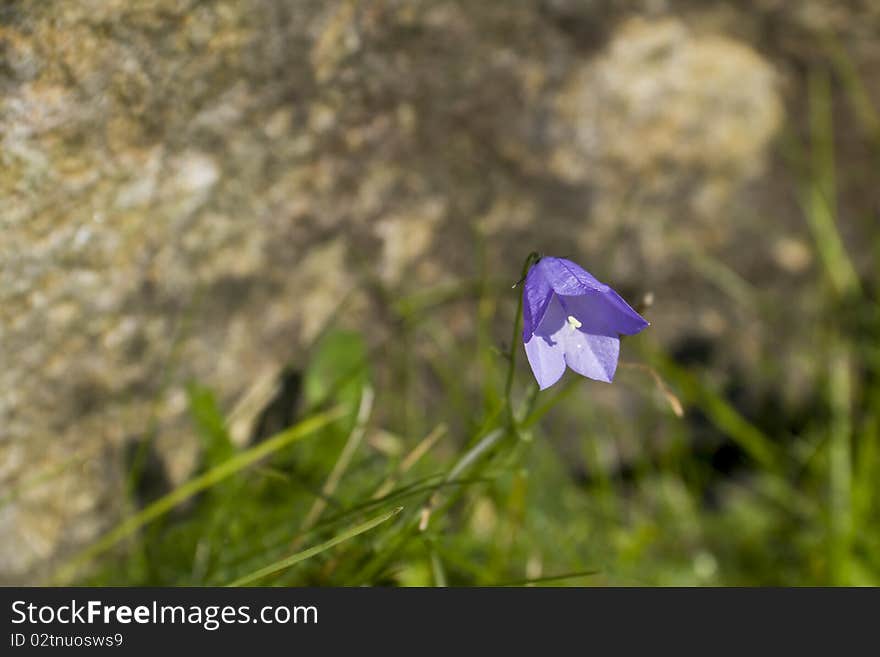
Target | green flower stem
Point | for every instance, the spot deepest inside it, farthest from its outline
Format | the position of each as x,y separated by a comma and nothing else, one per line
511,357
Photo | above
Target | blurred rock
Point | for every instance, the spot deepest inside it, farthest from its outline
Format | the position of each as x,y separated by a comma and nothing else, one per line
190,190
664,119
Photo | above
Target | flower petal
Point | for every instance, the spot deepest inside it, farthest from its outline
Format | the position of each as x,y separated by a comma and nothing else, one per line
547,355
559,341
536,297
604,313
571,319
546,359
567,277
593,356
626,320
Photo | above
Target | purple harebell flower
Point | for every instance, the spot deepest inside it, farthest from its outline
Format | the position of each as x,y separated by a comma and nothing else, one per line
570,318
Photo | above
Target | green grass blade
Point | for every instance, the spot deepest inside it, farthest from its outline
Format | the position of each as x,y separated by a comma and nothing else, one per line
854,87
210,424
438,572
365,408
840,466
475,453
293,559
550,578
719,411
185,491
821,197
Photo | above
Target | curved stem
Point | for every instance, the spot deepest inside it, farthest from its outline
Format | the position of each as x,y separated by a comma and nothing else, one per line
517,331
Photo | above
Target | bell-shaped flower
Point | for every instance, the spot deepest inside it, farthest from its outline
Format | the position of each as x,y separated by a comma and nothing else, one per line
570,318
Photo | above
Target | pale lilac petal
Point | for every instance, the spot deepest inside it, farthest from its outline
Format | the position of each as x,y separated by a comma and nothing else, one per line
546,359
567,277
593,356
546,355
536,297
590,354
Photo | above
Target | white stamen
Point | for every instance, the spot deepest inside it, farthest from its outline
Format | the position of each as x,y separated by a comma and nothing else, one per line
573,322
